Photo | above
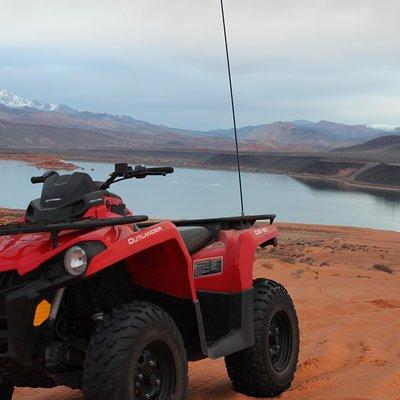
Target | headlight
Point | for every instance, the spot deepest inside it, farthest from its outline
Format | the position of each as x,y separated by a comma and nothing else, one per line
75,261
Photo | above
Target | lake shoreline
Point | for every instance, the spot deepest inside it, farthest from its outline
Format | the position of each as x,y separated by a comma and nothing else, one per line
56,161
346,181
45,162
203,193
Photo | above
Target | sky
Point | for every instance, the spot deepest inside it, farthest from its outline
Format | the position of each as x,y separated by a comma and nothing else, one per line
164,61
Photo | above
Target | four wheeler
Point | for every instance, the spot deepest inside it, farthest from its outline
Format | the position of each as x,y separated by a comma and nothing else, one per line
94,297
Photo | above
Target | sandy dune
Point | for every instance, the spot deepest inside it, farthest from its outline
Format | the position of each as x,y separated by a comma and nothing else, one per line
349,315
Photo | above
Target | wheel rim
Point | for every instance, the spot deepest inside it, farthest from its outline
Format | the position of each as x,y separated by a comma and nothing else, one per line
155,373
280,341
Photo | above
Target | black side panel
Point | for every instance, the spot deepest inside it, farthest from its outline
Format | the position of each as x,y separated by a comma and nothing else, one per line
228,321
219,311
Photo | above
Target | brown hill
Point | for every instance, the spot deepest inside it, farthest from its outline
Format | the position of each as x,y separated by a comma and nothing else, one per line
304,135
382,147
380,174
39,136
285,163
17,135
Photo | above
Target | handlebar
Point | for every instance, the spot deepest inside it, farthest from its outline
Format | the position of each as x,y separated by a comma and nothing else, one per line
42,178
124,171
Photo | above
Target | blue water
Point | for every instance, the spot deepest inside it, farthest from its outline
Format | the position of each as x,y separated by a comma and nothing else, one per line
195,193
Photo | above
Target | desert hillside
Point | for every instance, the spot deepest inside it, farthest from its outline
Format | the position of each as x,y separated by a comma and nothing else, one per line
381,147
345,283
57,126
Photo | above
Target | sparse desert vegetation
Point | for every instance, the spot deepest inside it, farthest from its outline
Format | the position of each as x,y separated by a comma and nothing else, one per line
383,268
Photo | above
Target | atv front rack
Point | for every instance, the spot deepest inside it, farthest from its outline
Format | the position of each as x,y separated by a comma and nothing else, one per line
214,225
55,229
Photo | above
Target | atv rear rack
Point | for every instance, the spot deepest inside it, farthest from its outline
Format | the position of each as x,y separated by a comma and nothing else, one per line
55,229
214,225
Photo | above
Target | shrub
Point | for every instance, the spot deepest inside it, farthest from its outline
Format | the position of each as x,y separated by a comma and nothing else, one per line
383,268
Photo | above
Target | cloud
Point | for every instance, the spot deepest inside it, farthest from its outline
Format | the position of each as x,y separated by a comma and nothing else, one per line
164,61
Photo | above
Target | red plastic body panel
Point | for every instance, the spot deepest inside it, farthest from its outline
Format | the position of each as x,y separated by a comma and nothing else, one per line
156,257
237,248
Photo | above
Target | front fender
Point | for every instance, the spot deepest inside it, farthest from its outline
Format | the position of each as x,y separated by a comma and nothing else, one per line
156,257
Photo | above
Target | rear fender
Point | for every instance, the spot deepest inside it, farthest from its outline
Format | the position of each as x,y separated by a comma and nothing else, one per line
247,244
237,249
155,257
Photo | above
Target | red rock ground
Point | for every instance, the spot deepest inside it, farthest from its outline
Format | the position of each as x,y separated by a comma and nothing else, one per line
349,314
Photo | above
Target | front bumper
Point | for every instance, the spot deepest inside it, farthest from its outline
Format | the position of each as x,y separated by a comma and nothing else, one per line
20,305
22,344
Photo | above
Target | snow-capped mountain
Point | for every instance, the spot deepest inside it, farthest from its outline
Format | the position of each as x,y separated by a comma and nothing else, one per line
11,100
383,127
23,110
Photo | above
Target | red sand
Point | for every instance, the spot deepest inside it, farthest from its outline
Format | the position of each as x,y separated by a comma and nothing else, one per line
349,316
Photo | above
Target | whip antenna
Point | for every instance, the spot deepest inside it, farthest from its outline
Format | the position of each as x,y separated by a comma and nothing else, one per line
233,108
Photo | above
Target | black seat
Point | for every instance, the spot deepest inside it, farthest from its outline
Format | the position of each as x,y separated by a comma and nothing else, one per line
195,237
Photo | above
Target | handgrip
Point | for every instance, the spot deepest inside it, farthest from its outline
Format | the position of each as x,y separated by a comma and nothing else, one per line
161,170
42,178
37,179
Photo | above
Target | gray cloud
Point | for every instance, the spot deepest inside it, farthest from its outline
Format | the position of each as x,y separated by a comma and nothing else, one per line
163,61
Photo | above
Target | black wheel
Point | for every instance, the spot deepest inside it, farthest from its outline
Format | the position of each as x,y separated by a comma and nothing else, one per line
6,390
136,354
267,368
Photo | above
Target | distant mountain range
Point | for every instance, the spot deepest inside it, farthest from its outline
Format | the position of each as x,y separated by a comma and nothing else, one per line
310,135
29,123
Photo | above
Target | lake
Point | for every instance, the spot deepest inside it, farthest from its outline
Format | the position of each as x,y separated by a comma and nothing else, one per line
195,193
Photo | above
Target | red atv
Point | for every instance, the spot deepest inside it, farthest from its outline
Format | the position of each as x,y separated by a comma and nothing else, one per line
96,298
